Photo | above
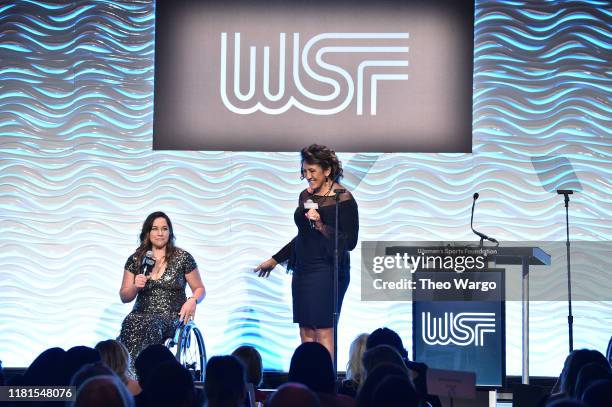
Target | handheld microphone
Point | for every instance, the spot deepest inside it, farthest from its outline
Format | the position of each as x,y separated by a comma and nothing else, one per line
308,205
482,236
147,263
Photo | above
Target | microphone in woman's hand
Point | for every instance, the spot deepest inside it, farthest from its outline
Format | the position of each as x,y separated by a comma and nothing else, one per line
308,205
148,262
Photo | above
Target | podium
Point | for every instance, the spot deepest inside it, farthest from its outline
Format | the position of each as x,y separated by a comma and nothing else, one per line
524,256
505,256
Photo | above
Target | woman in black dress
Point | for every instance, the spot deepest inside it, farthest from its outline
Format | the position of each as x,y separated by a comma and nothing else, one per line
310,253
161,304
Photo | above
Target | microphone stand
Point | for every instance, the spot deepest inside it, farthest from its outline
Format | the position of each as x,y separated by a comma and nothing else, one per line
336,313
472,221
570,318
482,236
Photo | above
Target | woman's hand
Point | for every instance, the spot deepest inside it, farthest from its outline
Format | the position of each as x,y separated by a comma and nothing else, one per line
188,310
265,268
314,216
139,281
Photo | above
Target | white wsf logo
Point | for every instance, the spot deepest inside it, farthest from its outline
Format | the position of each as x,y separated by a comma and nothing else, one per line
461,329
369,61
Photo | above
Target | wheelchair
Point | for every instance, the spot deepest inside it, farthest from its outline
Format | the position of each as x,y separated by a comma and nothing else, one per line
187,345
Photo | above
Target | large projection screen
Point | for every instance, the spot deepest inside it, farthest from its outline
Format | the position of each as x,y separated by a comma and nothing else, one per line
390,76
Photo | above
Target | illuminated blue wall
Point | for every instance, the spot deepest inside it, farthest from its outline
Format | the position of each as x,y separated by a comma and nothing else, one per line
77,178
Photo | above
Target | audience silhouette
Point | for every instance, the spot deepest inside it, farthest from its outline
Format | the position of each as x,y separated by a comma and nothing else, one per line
379,373
293,395
225,382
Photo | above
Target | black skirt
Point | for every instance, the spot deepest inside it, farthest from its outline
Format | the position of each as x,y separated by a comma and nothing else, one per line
313,294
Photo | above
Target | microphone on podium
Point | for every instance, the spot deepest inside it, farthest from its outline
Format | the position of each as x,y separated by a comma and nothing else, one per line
482,236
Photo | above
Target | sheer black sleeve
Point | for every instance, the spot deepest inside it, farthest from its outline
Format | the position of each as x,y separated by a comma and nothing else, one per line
348,222
285,253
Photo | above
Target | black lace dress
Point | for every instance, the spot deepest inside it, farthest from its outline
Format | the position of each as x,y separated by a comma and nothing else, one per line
310,256
155,315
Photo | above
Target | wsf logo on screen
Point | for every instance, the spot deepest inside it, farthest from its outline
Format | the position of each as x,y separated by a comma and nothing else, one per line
380,56
462,329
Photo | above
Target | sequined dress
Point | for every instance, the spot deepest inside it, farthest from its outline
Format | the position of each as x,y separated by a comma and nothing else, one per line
155,315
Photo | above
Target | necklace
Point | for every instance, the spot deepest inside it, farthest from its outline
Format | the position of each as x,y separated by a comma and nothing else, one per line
317,197
330,188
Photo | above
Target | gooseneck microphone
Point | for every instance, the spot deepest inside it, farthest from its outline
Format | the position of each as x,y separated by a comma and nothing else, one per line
482,236
148,262
473,206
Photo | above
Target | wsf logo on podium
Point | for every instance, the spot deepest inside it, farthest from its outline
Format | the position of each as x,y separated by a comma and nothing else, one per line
461,329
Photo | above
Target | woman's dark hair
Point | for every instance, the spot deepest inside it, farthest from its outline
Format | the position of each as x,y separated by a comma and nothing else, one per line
90,370
566,402
589,374
379,355
251,359
365,394
395,390
145,242
598,394
386,336
312,366
574,362
316,154
76,357
225,380
47,369
148,359
170,384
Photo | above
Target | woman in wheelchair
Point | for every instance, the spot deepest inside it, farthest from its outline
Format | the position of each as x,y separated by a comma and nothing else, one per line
156,275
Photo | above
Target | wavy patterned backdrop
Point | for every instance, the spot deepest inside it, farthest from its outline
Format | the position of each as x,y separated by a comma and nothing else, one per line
77,177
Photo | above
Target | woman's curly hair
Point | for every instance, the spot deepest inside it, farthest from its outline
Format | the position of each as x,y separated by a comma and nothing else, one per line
316,154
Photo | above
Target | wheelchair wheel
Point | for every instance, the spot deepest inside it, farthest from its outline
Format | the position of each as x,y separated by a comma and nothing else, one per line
188,348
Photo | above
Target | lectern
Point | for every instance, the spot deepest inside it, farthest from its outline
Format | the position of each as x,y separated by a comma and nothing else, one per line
510,256
524,256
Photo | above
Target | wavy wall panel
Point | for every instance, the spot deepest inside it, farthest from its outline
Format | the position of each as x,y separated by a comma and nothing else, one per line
77,177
